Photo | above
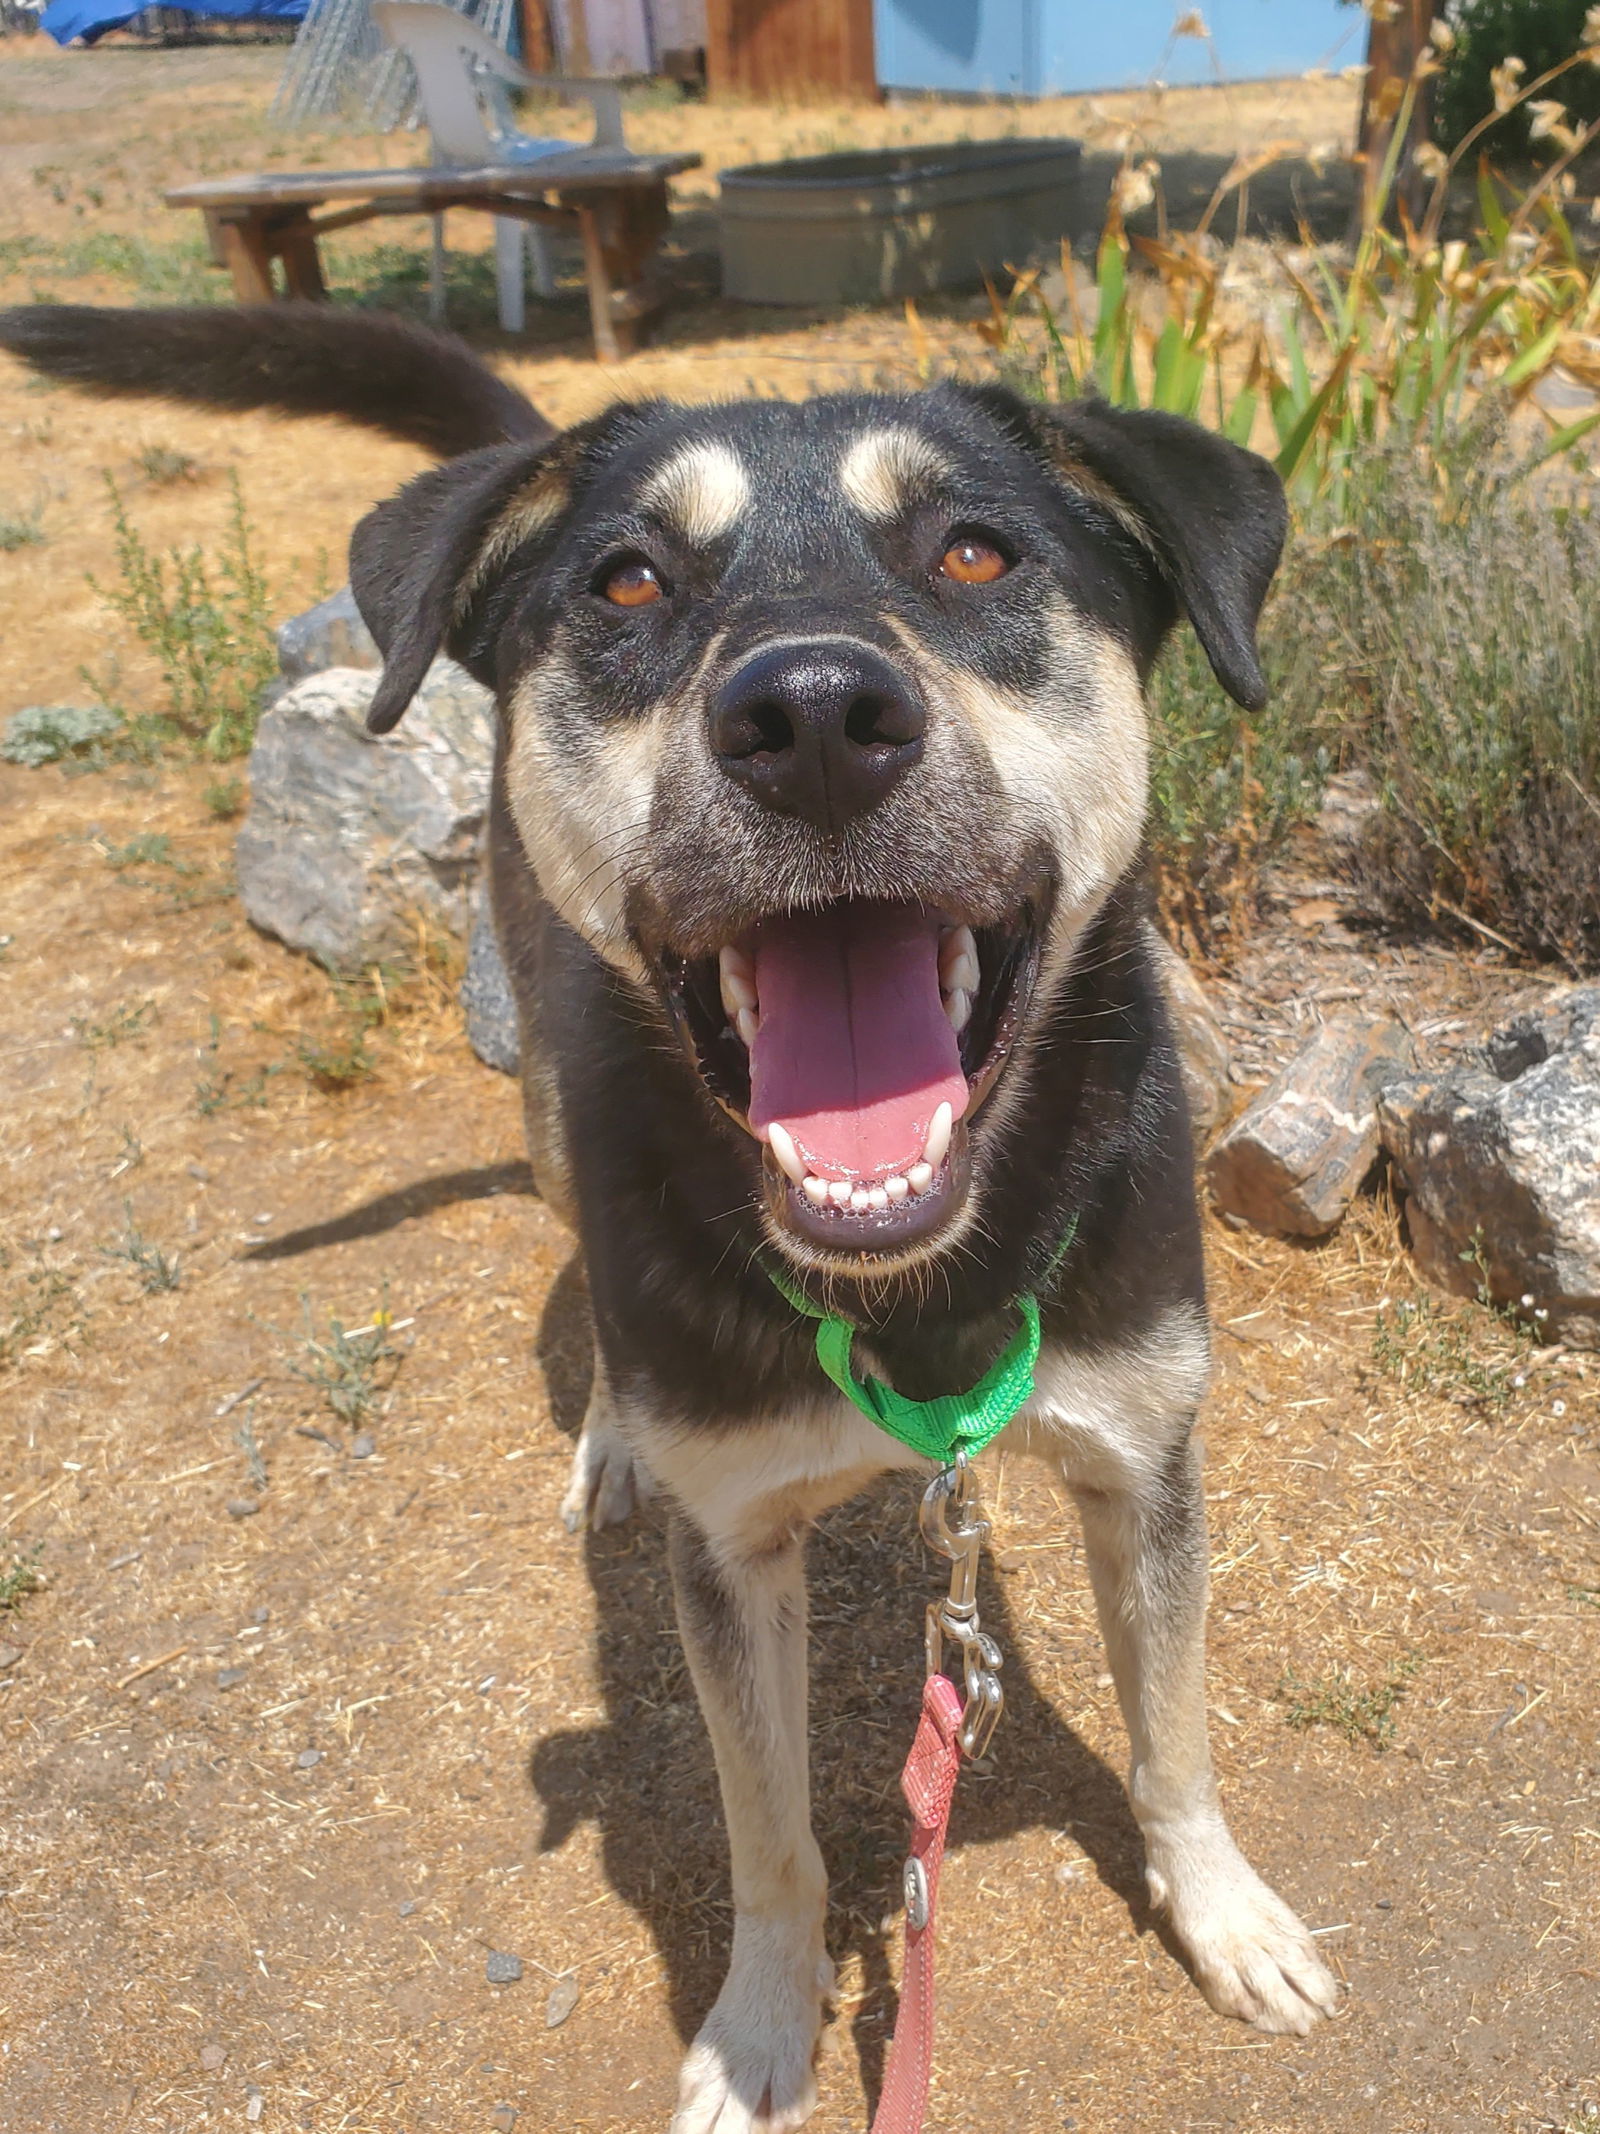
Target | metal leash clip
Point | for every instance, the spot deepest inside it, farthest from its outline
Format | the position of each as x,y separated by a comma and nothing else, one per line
953,1526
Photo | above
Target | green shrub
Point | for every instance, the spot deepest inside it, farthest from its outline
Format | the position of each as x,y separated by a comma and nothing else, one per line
1445,633
1541,33
1439,629
207,620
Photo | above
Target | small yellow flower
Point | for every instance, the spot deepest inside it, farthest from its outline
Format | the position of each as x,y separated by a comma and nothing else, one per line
1190,24
1431,160
1591,26
1441,36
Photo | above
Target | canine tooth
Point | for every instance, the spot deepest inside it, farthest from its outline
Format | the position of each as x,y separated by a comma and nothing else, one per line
737,974
781,1143
920,1177
747,1022
877,1197
896,1188
815,1189
937,1146
859,1199
958,960
839,1191
958,1008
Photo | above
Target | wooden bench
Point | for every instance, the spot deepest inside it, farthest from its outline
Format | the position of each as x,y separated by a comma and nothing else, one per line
616,202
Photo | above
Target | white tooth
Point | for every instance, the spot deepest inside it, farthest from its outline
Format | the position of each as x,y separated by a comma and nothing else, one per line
781,1142
958,960
859,1199
920,1177
896,1188
958,1007
839,1191
747,1022
815,1189
937,1146
737,975
877,1197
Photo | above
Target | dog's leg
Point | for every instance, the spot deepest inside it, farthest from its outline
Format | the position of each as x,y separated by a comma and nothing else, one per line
742,1615
608,1483
1146,1545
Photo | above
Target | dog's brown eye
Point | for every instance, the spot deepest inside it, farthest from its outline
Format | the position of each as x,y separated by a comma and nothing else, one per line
631,584
973,562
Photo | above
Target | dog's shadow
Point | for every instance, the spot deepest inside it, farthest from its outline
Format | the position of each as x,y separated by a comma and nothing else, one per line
645,1773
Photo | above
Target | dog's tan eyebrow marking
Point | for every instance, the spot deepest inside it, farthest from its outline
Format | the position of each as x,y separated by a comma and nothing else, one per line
703,490
536,505
885,469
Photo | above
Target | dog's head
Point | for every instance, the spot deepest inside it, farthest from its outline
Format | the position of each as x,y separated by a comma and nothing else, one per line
826,729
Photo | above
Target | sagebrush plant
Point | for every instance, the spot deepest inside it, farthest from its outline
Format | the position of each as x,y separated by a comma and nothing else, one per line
1443,631
206,619
21,529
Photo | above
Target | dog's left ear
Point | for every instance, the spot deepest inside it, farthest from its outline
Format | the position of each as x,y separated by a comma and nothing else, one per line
411,556
429,567
1211,515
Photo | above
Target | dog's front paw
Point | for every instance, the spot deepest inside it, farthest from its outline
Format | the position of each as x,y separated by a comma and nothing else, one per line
750,2071
1251,1955
608,1484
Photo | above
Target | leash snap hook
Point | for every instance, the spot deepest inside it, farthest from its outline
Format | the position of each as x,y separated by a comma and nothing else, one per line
954,1527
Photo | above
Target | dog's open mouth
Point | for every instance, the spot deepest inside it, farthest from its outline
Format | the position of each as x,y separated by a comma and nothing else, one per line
856,1042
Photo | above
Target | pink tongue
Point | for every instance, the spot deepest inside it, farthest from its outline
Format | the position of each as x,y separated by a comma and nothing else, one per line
855,1053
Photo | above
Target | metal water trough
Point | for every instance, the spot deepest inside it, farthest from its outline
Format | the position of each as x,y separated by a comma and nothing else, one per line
871,227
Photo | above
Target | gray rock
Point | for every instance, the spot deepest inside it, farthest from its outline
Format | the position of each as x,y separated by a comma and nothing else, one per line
1204,1059
563,1999
349,833
486,997
1295,1157
331,634
502,1969
1503,1162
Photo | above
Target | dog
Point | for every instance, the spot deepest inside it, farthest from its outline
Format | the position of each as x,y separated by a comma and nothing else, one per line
816,856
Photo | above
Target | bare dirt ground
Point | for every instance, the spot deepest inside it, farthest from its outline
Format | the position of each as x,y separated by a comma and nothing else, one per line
276,1781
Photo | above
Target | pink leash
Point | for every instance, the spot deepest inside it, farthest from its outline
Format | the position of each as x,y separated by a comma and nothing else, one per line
948,1729
929,1783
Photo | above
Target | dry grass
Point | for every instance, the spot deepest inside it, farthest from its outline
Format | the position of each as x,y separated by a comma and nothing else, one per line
277,1779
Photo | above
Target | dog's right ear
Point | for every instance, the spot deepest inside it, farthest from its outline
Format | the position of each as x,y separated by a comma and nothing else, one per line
413,557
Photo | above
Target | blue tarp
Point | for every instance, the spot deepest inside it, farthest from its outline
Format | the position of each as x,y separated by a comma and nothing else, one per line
70,20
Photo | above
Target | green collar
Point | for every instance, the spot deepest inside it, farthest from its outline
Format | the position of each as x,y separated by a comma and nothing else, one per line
954,1422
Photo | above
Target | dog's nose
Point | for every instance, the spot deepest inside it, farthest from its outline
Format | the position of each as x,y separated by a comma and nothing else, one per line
820,731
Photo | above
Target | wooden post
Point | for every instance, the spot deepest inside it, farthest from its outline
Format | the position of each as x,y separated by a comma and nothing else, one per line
791,48
575,52
538,44
242,238
1396,35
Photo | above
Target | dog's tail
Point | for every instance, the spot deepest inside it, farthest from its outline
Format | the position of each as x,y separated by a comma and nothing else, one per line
301,359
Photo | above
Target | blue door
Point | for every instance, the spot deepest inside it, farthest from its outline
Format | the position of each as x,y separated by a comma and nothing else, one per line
1062,47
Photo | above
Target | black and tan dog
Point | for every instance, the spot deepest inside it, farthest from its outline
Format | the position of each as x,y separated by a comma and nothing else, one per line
816,863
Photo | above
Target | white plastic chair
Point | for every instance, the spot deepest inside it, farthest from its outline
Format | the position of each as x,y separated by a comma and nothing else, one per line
452,57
